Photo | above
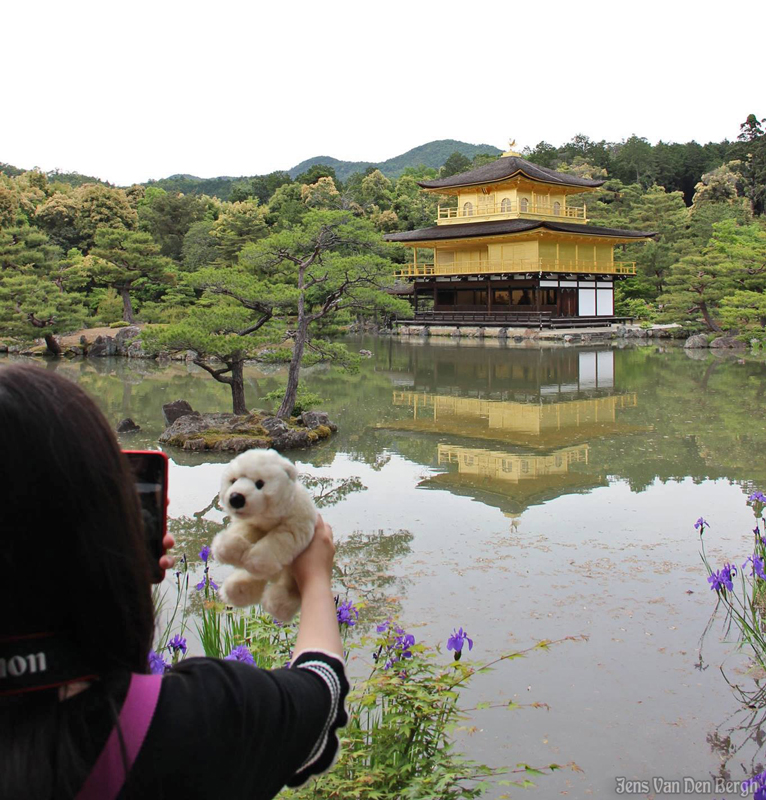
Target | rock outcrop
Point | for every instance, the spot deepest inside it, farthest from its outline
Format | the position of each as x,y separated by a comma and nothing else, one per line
127,426
232,433
696,342
729,342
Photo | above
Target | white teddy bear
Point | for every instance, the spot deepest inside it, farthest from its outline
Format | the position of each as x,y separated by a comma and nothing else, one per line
273,521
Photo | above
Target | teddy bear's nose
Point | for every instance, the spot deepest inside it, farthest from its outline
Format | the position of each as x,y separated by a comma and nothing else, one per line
236,500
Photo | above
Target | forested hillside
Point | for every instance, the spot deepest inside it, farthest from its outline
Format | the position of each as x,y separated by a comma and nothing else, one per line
74,251
432,155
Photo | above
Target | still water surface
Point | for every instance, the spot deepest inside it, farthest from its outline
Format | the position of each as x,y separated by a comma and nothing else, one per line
528,494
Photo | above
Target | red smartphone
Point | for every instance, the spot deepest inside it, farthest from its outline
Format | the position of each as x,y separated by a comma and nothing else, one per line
150,471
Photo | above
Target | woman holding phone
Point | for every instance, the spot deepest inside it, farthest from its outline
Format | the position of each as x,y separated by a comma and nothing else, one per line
79,717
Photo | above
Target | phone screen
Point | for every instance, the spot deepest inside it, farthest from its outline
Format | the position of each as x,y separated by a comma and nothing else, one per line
150,471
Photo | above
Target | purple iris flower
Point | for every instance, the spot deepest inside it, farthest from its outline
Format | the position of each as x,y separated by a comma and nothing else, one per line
177,643
157,664
347,614
726,574
757,497
757,568
456,642
701,523
204,554
759,783
716,584
398,644
723,579
241,653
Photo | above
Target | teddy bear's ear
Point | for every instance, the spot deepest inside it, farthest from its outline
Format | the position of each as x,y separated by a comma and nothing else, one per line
291,471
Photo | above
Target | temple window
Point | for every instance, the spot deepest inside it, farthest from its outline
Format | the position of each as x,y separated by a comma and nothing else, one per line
557,208
468,209
524,204
505,205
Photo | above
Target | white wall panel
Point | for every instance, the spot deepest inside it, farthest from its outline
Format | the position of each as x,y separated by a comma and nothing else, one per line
605,302
587,306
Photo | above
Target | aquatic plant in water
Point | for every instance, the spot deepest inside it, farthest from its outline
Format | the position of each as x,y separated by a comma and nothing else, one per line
456,642
402,714
346,612
241,653
157,664
745,610
207,583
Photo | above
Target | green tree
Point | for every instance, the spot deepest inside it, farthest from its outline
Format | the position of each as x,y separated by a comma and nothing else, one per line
58,218
414,208
237,225
102,207
745,311
34,300
322,194
633,162
752,146
664,213
376,189
286,207
120,258
733,261
454,165
314,173
544,154
230,331
167,216
332,264
200,247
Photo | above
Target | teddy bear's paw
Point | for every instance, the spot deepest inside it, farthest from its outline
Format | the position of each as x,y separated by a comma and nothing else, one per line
241,589
280,602
229,548
260,565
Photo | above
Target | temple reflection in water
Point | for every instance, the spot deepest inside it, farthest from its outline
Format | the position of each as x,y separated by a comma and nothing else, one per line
533,434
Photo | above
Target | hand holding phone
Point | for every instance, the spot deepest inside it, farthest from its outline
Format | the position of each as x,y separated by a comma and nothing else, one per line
150,471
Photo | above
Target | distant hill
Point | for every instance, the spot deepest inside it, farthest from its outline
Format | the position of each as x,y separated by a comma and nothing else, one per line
433,154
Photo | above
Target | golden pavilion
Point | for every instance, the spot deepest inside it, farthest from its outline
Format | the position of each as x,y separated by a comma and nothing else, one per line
515,248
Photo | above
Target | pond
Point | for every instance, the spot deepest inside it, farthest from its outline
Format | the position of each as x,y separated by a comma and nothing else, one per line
526,493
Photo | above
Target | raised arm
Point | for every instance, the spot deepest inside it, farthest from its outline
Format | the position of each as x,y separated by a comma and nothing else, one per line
318,627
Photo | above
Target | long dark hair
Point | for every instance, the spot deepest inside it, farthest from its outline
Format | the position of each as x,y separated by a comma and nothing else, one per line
72,561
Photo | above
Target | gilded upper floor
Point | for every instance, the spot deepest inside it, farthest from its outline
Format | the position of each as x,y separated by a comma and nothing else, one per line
511,188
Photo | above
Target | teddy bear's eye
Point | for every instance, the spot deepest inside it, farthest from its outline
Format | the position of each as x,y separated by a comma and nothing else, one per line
259,484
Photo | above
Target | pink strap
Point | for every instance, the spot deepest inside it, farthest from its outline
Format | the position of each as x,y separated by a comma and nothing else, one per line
108,776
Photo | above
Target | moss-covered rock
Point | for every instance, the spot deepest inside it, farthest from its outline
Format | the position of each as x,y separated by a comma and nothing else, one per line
232,433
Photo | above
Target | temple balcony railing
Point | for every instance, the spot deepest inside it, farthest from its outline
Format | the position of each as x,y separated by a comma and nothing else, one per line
510,209
533,265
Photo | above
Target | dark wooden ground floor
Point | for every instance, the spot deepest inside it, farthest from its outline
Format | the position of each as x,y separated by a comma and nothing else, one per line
531,319
515,300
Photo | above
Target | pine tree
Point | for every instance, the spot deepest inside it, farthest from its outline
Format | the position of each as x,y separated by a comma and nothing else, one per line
34,296
120,257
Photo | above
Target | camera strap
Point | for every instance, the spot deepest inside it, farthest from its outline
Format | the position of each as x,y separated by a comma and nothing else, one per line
36,661
113,765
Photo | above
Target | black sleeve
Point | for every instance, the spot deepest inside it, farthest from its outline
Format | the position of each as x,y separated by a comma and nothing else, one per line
325,751
226,729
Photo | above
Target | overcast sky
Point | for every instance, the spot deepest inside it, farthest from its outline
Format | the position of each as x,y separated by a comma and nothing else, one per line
140,90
